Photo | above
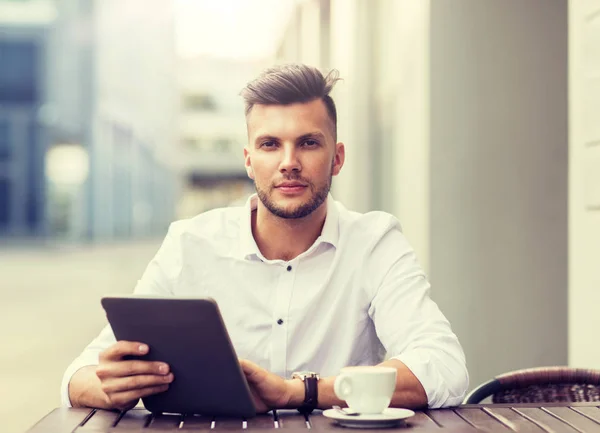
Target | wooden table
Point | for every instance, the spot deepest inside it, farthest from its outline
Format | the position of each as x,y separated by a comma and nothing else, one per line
556,417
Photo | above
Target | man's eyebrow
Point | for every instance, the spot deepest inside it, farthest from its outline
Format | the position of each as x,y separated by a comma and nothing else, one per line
265,137
315,134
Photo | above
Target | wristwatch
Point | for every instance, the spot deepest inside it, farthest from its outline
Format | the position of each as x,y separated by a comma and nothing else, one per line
311,390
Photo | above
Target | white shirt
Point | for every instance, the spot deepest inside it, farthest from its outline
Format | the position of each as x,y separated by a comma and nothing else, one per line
356,294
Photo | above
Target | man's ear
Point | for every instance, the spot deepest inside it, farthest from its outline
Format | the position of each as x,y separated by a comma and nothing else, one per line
339,158
248,163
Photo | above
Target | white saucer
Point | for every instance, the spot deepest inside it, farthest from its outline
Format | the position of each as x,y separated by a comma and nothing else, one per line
388,418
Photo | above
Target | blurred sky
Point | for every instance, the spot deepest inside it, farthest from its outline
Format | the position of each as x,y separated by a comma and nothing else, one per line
242,29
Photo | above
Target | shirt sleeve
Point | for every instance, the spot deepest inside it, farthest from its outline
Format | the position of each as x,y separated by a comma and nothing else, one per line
156,280
410,325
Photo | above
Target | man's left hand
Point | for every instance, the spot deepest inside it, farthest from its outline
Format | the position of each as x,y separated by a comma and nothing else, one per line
271,391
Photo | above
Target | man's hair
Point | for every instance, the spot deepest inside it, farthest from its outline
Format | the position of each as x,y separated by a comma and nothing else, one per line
289,84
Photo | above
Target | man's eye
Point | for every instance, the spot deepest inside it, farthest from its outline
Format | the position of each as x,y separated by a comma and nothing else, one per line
310,143
268,144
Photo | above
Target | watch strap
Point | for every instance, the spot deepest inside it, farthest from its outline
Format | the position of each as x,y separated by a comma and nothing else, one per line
311,395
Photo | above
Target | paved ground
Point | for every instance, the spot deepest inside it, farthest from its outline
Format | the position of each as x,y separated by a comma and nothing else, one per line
49,310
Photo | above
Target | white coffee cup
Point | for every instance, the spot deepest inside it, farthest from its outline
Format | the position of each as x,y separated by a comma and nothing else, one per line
366,390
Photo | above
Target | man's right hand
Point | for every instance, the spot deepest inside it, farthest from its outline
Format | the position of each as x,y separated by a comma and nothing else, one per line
122,381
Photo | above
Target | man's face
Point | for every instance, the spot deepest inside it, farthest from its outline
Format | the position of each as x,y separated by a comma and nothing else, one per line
292,156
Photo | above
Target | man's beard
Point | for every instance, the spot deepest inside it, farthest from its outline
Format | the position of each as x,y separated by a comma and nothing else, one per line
318,196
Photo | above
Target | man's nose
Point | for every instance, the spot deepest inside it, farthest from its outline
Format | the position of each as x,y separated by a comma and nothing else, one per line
290,161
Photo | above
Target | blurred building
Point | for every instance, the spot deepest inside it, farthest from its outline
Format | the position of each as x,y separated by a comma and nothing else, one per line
212,131
134,184
87,118
23,88
454,115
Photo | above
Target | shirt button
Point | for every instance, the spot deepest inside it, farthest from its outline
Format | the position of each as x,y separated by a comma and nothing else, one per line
280,322
289,268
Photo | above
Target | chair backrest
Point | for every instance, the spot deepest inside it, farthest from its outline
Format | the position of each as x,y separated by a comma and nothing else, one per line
540,385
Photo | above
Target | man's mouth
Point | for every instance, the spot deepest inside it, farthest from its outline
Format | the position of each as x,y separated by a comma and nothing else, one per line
291,187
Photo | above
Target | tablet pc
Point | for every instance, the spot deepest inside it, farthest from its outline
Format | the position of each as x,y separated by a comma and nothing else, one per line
188,334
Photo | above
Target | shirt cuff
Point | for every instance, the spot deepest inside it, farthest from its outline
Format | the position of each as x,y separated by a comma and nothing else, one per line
71,370
421,365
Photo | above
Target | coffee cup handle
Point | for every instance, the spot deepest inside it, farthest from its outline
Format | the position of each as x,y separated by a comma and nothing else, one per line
342,386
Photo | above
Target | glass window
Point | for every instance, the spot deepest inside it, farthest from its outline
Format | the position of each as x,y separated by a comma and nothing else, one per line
5,149
199,102
18,74
189,143
223,145
4,203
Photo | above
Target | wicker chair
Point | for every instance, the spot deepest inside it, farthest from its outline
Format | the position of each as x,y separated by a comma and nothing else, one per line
540,385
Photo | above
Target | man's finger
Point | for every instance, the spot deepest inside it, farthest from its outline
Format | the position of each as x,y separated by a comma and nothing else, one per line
123,348
253,372
247,366
107,370
122,384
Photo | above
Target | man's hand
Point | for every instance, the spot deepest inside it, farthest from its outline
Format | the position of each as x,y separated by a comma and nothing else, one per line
271,391
123,381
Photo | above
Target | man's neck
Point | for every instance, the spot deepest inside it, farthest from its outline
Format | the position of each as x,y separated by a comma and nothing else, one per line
286,239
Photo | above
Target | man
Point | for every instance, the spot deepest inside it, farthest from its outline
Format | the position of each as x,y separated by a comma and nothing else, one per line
303,284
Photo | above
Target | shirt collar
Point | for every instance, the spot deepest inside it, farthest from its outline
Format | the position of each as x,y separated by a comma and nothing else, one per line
248,247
